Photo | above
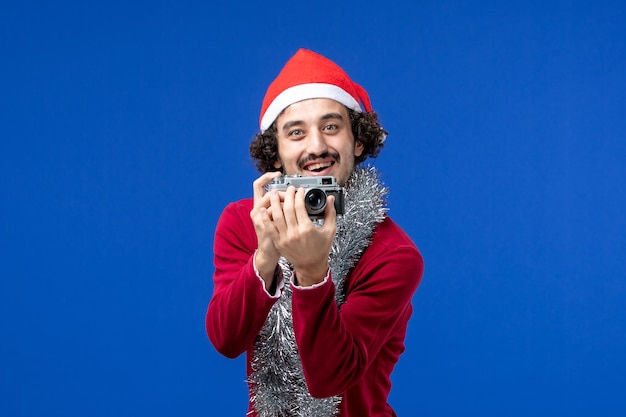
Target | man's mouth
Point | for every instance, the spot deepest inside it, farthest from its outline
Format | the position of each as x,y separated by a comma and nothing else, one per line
319,166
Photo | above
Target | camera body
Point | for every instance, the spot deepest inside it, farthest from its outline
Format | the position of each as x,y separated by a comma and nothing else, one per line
317,191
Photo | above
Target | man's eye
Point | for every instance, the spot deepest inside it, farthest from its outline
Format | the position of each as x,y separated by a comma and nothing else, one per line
295,132
330,127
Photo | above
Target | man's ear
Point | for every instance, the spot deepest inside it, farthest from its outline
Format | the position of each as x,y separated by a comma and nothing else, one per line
358,148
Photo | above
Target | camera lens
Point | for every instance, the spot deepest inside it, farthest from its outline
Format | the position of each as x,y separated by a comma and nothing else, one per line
315,201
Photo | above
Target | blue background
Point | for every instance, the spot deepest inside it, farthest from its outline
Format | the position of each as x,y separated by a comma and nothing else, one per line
124,131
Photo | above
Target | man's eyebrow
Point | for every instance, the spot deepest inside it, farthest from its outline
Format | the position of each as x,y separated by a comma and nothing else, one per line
290,124
332,116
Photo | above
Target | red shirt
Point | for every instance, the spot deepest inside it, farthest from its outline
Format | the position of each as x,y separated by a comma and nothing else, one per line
349,352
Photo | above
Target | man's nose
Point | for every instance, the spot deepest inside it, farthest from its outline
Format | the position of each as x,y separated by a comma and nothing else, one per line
317,143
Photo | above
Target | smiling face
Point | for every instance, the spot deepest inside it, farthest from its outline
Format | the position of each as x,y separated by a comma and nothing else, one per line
315,138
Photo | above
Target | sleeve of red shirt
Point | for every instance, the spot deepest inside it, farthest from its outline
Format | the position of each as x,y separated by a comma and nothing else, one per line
337,346
239,306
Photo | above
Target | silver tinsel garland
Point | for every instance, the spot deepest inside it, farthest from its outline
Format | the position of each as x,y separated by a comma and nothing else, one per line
277,379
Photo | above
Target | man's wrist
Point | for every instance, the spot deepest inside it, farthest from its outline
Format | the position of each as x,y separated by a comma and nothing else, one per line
266,268
307,278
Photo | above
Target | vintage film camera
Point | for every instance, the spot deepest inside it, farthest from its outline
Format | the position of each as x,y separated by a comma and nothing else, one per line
318,188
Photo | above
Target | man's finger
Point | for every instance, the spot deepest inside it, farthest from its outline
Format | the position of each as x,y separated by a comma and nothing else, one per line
277,211
258,186
292,196
302,214
330,214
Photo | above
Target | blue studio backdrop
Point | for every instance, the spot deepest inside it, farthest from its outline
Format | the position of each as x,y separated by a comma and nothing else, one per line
124,131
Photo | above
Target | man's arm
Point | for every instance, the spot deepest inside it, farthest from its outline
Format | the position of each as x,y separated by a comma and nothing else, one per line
240,301
337,347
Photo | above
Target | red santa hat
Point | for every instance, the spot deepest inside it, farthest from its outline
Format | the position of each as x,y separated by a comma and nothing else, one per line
310,75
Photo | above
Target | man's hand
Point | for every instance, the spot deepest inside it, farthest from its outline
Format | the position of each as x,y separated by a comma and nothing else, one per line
296,237
267,254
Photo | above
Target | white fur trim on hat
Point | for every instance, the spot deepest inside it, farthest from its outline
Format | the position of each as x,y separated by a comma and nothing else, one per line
303,92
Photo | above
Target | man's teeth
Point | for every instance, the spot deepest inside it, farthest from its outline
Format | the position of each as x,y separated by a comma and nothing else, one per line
318,167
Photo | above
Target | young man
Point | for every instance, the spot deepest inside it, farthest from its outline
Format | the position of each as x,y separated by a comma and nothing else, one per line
320,308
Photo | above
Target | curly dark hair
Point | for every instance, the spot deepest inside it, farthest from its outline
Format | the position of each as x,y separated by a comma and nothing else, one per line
365,128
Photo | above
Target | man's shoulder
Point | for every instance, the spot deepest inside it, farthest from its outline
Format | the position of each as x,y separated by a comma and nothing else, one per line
390,233
240,206
390,238
237,211
391,247
243,204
